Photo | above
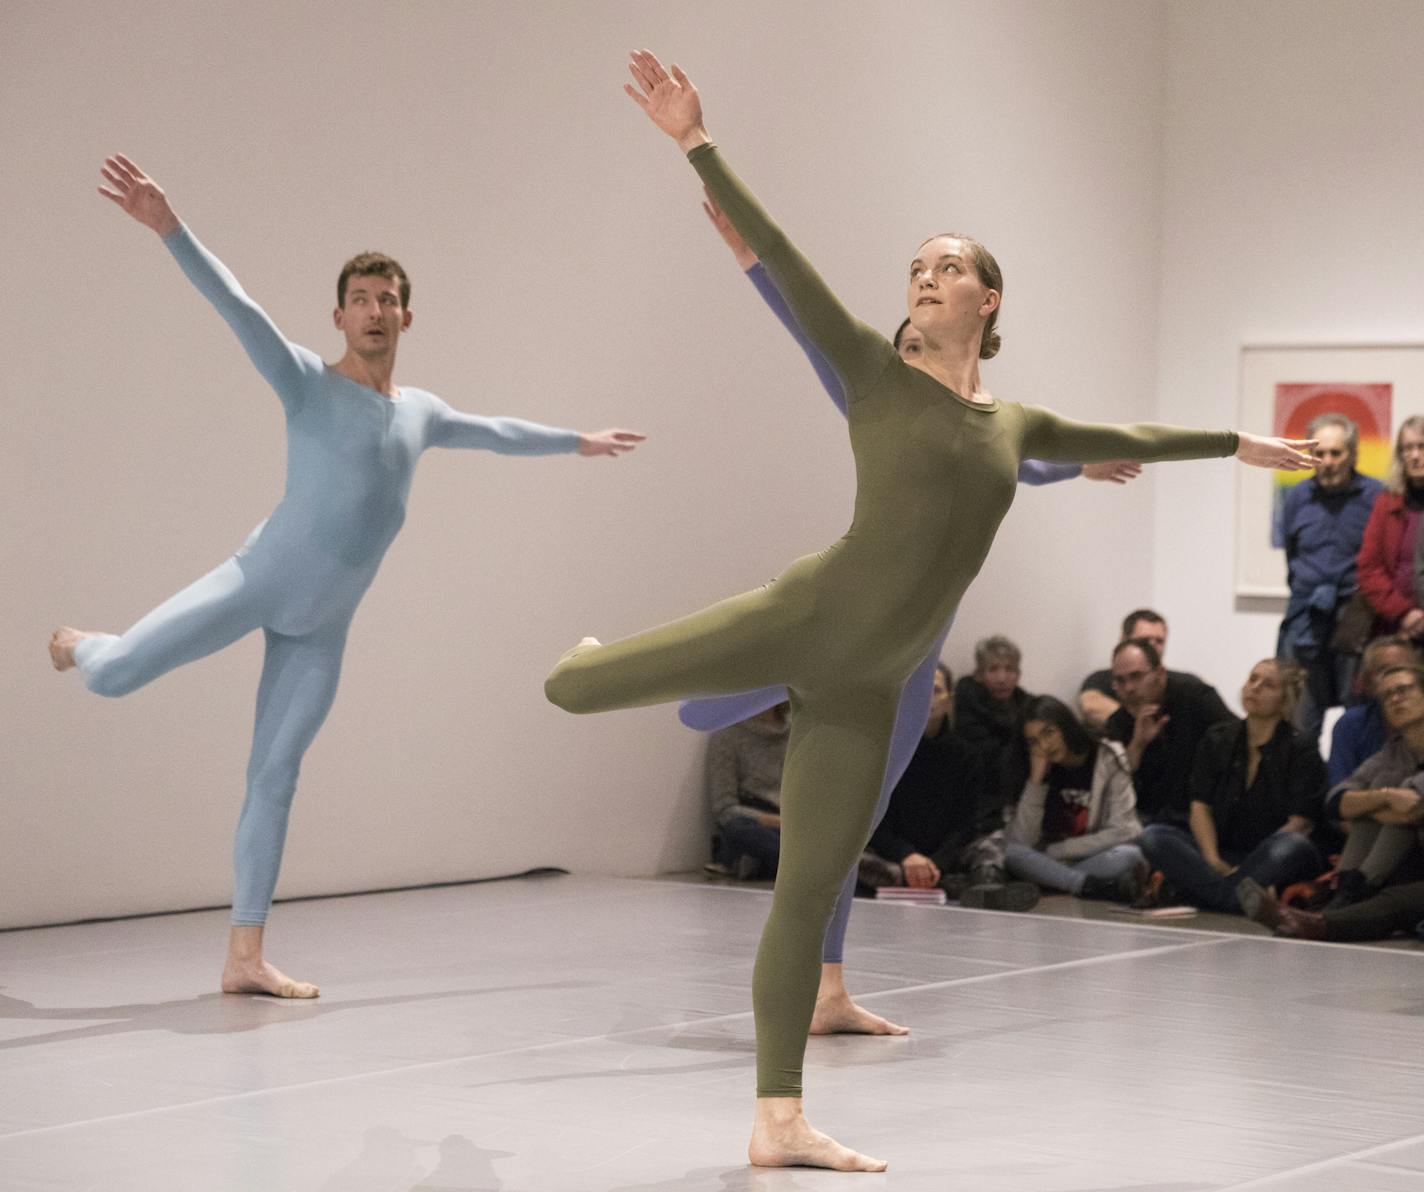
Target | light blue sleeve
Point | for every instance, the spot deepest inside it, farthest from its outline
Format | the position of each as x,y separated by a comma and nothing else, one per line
1038,472
505,436
285,366
831,383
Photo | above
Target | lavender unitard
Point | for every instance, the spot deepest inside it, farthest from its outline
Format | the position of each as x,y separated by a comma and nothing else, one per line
707,715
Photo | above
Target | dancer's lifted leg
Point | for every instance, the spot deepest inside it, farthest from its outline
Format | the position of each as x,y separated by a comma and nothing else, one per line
936,458
353,441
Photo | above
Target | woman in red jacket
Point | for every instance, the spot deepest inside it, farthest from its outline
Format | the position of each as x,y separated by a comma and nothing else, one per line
1386,559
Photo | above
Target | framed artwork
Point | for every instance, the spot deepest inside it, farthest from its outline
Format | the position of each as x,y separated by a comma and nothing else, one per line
1283,389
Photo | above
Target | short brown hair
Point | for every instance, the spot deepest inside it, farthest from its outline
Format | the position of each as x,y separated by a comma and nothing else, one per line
988,271
372,264
1151,616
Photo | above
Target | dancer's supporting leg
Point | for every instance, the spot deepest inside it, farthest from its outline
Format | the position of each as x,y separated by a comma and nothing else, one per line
834,767
299,678
836,1011
835,763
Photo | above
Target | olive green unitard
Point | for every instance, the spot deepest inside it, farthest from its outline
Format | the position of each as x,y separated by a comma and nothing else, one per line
843,629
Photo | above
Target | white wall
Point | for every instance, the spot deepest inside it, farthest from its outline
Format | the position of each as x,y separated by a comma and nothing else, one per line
563,271
1292,214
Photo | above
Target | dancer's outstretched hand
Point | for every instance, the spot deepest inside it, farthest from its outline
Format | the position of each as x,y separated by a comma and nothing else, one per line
138,194
670,100
1115,471
745,257
1289,455
609,442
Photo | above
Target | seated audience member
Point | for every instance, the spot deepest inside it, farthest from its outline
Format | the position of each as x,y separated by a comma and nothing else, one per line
1380,802
1385,564
988,714
1257,787
944,825
1389,912
1097,700
1360,732
743,769
1077,811
1320,526
1163,718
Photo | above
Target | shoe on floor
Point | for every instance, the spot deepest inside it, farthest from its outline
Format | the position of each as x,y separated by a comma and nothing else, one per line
1000,896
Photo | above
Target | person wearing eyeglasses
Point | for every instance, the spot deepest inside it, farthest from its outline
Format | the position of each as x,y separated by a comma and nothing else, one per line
1163,718
1385,565
1382,803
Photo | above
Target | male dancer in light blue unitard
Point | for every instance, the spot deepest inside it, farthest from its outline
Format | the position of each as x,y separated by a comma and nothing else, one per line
353,438
836,1012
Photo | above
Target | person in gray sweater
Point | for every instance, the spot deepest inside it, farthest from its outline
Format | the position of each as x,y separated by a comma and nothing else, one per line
743,770
1077,812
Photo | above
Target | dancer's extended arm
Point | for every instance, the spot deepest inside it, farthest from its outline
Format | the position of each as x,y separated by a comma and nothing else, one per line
857,353
282,364
1051,436
516,436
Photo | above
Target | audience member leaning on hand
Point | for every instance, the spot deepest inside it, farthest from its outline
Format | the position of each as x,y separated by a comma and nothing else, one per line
1077,812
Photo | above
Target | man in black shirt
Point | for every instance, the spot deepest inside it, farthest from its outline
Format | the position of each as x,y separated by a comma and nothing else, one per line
1163,718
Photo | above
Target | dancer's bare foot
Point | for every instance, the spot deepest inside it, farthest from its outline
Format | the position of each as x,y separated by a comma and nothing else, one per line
61,646
782,1137
264,978
247,972
838,1015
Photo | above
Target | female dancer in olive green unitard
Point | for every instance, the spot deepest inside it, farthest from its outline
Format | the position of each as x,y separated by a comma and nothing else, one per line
936,464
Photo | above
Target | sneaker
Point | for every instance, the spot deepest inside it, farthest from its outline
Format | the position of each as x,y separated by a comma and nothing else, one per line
716,869
1000,896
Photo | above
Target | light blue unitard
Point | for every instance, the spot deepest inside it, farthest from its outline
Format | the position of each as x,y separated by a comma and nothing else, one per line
707,715
351,453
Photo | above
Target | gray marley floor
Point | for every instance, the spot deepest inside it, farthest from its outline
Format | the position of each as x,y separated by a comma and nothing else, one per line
571,1034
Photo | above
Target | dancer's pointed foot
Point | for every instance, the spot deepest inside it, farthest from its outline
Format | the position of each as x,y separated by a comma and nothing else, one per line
61,646
838,1015
782,1137
260,977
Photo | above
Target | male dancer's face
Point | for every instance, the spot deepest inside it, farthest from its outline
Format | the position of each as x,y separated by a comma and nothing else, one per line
373,317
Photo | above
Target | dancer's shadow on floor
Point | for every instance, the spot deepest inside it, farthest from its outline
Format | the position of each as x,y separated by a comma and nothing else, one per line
219,1013
390,1159
738,1179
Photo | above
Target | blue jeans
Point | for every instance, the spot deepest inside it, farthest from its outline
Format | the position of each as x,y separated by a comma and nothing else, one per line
1279,860
1068,876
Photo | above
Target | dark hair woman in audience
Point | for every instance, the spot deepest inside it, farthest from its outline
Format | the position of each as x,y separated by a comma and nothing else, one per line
1077,811
1257,789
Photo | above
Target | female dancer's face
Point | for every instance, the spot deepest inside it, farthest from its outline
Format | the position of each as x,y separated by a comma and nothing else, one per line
945,296
1262,695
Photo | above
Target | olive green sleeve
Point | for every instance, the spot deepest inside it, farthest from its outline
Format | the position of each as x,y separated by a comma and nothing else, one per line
858,353
1050,436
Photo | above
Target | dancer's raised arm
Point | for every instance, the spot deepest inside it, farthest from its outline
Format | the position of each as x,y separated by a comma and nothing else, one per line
282,364
858,354
1051,436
